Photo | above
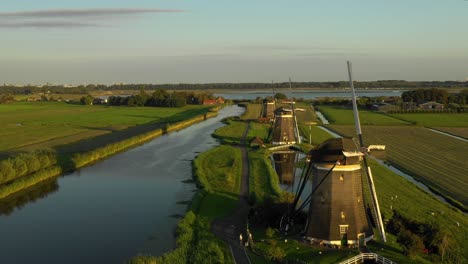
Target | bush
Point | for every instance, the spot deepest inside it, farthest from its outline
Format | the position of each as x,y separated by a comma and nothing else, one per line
269,232
86,100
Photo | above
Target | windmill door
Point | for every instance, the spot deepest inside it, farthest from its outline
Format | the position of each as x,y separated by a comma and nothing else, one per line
361,239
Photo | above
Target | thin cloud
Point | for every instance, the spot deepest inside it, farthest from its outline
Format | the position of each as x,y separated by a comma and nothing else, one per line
94,12
281,47
48,24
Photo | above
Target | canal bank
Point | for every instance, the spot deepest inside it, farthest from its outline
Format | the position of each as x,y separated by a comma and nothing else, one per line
82,159
126,205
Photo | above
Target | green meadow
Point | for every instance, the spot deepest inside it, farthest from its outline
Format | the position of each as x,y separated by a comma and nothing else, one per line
27,126
435,119
342,115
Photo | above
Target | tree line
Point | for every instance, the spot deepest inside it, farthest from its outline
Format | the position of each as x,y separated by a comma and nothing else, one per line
83,89
436,95
159,97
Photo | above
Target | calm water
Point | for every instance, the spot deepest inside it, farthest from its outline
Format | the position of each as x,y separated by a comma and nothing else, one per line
108,212
306,94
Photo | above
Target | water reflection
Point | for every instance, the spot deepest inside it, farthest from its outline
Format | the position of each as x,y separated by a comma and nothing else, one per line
122,206
31,194
284,166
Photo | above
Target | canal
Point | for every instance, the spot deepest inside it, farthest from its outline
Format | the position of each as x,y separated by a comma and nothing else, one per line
106,213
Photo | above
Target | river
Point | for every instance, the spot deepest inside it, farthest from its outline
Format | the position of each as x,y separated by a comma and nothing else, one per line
106,213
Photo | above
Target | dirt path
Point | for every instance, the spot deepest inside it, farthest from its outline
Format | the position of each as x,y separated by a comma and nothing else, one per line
230,227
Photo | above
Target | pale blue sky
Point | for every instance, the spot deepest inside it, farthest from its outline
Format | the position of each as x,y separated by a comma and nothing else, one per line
142,41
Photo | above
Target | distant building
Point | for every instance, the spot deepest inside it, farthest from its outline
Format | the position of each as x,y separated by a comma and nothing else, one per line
430,105
209,101
268,110
220,100
256,143
384,107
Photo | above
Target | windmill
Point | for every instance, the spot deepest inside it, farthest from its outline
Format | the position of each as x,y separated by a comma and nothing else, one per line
337,205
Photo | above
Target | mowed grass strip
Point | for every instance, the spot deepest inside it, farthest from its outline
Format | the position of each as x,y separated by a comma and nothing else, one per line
260,130
435,119
263,181
221,167
307,116
252,112
314,134
232,133
49,123
437,160
343,115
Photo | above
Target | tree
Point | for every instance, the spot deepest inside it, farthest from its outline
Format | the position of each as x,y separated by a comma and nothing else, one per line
280,96
86,100
412,243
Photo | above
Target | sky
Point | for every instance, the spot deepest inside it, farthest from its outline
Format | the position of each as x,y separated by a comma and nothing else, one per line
186,41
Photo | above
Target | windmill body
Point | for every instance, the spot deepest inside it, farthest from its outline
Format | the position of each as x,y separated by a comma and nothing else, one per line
268,110
337,212
283,128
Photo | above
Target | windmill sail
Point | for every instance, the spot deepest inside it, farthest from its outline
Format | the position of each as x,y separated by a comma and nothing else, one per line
374,200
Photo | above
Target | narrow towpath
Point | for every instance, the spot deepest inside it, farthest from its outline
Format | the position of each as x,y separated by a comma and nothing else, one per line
230,227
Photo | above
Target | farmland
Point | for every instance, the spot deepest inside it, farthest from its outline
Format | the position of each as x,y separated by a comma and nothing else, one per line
341,115
39,125
456,131
435,159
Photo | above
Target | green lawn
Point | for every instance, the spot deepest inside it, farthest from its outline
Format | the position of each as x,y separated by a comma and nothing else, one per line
263,181
222,168
259,130
317,135
415,204
36,125
295,250
435,119
232,133
341,115
308,116
253,112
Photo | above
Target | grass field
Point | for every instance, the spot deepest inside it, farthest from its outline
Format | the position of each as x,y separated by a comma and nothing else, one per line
222,167
435,119
37,125
263,181
435,159
252,112
341,115
413,203
259,130
317,135
232,133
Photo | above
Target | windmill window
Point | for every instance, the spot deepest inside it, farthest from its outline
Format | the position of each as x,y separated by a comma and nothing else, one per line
343,215
341,177
344,229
